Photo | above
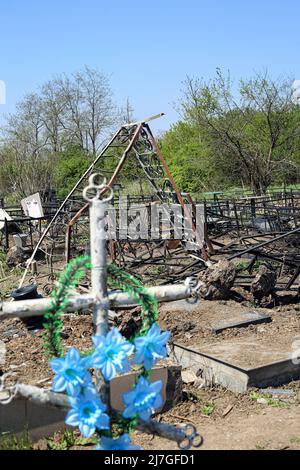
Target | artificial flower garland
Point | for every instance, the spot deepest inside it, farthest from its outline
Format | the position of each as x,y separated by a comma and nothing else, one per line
111,355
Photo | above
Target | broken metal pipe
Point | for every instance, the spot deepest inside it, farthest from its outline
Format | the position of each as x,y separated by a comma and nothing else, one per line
36,307
59,400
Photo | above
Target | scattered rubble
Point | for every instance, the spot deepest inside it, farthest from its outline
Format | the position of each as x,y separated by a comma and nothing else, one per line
16,255
252,245
218,279
264,282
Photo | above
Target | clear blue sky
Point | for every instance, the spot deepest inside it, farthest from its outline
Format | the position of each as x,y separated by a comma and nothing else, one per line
146,47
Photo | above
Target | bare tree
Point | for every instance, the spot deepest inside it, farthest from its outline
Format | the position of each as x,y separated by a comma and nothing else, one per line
127,113
255,127
98,110
54,106
67,111
26,151
86,109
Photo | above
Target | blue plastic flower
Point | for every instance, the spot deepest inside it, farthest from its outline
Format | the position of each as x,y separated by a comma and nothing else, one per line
151,347
122,443
143,400
111,353
71,374
87,412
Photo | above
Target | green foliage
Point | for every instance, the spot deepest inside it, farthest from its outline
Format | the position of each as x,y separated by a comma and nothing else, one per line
8,172
67,439
12,442
295,440
117,279
188,158
208,410
243,134
242,265
21,175
262,445
269,400
195,396
248,133
62,442
71,163
3,263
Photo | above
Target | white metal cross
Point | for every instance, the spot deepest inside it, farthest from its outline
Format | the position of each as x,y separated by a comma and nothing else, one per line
98,194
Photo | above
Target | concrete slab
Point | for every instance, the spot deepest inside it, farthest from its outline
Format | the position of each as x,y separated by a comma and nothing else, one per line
278,393
216,316
43,420
242,320
192,306
123,383
238,364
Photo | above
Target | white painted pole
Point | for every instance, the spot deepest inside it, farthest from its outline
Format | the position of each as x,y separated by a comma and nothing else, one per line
99,299
98,206
98,258
59,400
117,300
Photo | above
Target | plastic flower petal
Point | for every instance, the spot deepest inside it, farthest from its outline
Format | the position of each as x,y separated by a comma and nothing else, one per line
111,352
122,443
70,373
151,347
143,399
87,412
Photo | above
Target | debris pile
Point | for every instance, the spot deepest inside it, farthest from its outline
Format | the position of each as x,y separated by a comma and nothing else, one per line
217,280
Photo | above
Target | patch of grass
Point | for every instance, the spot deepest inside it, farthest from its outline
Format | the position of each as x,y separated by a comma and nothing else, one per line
84,441
3,265
12,273
269,400
62,441
295,440
208,409
2,256
157,270
239,191
257,265
241,265
254,396
66,439
262,445
9,286
12,442
277,403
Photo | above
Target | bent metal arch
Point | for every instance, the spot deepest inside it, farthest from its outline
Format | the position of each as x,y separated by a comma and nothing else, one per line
135,143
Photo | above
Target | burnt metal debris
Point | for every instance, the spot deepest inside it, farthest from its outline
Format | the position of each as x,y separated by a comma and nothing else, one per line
249,231
256,230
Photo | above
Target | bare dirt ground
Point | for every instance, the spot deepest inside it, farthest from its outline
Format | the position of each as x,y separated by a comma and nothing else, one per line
247,426
25,348
237,423
25,353
193,323
226,420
